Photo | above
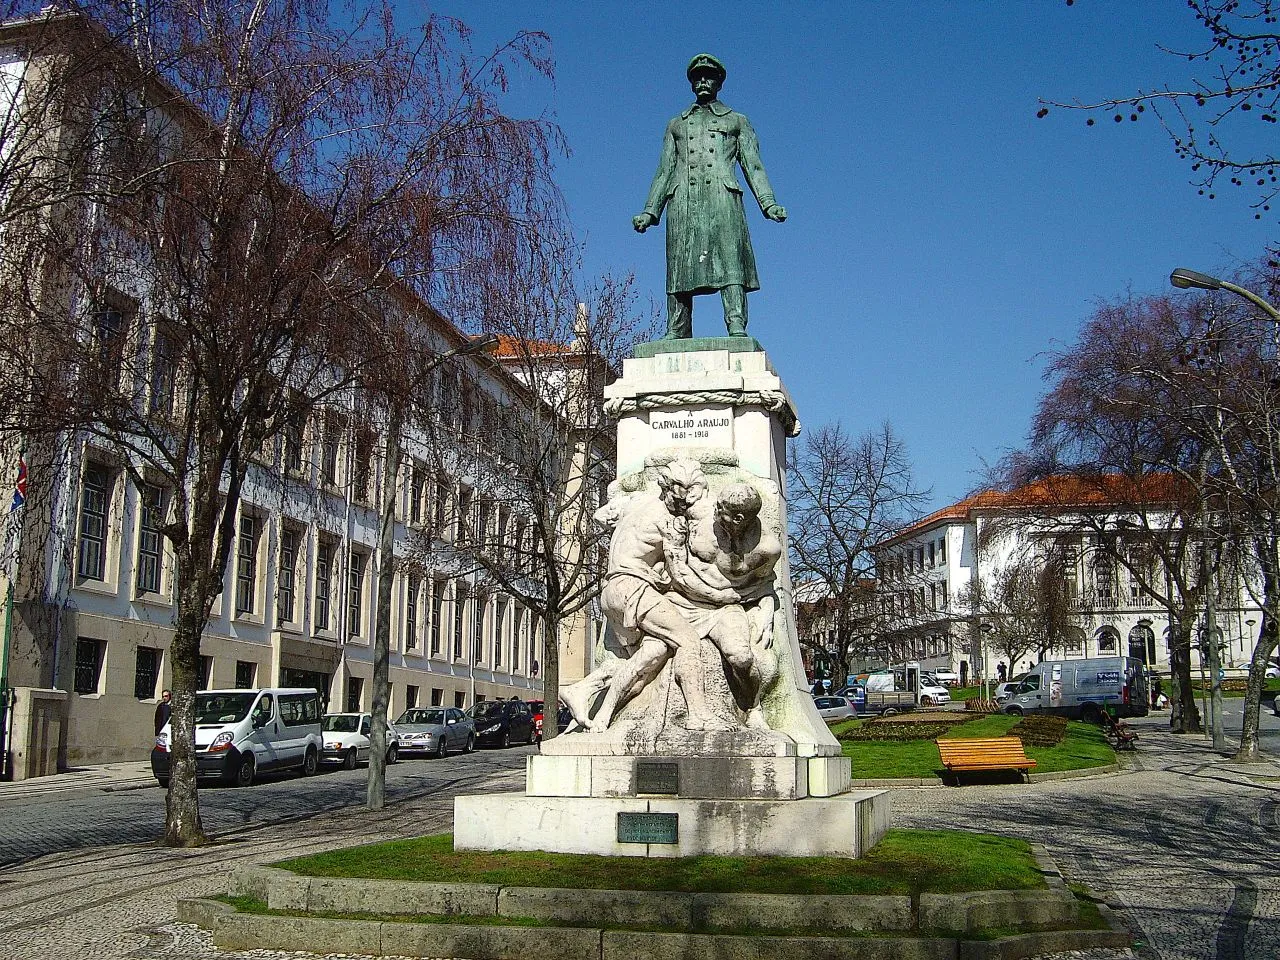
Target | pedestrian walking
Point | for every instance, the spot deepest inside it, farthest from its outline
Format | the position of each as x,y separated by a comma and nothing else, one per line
1000,671
163,710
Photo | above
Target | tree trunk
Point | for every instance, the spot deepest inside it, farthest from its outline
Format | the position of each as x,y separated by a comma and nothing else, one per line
183,827
1250,748
551,678
377,792
1184,717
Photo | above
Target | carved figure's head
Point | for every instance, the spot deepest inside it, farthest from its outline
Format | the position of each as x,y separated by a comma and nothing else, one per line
706,75
738,505
682,483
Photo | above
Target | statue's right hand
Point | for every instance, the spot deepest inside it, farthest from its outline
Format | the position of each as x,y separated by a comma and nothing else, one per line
643,221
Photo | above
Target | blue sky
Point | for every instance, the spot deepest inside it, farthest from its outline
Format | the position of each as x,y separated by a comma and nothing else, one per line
940,237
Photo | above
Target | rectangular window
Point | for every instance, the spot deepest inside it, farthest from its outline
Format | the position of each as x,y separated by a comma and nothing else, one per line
88,664
329,446
459,606
164,372
355,594
246,673
355,690
146,672
465,498
410,696
942,550
484,510
933,554
108,338
206,673
440,508
324,584
459,699
437,615
417,492
286,576
413,593
477,626
294,431
437,697
150,545
95,497
247,565
499,617
362,465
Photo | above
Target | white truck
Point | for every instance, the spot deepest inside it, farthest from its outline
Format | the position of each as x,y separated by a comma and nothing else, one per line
1083,689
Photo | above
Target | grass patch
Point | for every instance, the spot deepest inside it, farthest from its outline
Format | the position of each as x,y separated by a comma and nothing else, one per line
1083,746
964,693
905,862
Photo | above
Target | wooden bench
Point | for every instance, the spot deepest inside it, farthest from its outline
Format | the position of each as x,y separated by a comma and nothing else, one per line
993,753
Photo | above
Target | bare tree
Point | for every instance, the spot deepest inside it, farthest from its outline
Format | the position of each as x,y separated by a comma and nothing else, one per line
526,526
285,187
1021,602
1213,118
847,494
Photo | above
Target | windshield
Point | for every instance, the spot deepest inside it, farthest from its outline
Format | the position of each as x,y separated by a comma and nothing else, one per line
488,708
422,716
342,723
223,707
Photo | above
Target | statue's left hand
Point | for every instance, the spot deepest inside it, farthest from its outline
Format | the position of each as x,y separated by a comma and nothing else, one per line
776,212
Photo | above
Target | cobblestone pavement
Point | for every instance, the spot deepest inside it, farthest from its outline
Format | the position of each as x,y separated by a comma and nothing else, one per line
1184,843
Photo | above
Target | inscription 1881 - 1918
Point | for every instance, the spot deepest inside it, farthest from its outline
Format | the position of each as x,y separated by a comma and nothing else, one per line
657,777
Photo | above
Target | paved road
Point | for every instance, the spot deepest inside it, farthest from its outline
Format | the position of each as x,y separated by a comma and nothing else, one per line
33,826
1183,842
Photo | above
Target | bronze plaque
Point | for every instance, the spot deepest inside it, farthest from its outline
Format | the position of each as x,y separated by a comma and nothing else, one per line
648,827
657,777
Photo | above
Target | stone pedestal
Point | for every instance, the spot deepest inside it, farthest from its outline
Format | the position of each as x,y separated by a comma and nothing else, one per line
647,785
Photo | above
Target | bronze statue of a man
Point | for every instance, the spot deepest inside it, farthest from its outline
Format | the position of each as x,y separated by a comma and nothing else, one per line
708,247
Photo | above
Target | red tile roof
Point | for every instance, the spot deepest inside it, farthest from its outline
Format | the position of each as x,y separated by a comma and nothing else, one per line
1059,492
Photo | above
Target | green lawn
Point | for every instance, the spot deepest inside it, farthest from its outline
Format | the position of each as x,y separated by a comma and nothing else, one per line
904,862
1084,746
964,693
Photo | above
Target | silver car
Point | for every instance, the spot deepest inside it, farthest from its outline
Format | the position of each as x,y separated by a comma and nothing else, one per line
834,708
435,731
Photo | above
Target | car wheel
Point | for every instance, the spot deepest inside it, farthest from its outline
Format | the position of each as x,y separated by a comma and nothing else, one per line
890,712
506,739
926,701
471,743
349,759
245,772
310,762
164,782
1089,713
393,754
1013,711
530,740
442,750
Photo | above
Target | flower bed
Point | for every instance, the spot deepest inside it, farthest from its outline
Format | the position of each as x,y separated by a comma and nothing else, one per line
1040,731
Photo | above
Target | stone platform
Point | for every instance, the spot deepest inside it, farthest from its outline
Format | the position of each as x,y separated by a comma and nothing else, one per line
847,825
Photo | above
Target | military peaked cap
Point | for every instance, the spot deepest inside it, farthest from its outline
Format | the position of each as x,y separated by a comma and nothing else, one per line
705,63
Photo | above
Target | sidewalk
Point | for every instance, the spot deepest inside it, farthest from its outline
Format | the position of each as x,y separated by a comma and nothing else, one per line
106,777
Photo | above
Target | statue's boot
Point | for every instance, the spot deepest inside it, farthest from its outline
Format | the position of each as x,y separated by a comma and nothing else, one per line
734,298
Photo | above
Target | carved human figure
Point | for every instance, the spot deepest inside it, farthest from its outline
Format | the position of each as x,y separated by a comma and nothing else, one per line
727,561
708,246
717,582
637,602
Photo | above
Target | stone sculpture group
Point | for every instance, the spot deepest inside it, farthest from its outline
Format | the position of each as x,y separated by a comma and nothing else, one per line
685,568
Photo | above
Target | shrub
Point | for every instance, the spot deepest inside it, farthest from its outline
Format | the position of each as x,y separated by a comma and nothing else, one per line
898,731
1040,731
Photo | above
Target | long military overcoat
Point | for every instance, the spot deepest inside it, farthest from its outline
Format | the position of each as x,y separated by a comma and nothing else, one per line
708,246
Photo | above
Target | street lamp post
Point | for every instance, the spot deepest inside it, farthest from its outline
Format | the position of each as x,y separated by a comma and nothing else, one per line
1185,279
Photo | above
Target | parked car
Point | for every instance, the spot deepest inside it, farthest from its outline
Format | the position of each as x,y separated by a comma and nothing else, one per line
932,693
1004,691
877,703
564,717
435,730
946,678
241,733
1273,672
834,708
346,739
502,722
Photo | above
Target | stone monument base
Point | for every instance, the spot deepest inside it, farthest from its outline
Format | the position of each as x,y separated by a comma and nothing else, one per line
847,825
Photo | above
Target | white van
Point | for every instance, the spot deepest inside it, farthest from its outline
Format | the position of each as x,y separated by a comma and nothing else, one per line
240,733
1083,689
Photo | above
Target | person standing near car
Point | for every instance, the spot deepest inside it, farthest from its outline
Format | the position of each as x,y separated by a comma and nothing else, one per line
164,710
1155,691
